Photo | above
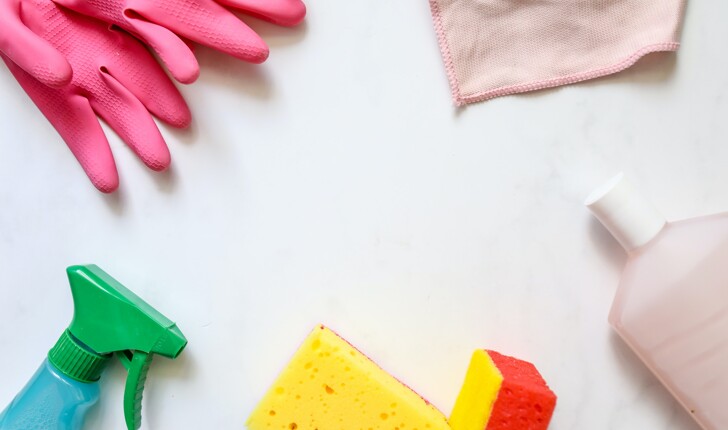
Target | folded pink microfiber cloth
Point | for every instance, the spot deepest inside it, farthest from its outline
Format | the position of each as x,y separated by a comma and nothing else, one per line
494,48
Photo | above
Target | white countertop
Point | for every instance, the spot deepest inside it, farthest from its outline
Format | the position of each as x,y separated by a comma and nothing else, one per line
337,184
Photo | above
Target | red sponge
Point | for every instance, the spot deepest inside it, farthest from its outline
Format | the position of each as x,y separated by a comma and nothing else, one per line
502,393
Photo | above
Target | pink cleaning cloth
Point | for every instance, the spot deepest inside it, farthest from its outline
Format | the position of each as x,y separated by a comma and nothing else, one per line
494,48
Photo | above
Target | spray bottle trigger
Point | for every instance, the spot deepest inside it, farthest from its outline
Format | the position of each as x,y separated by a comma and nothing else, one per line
137,365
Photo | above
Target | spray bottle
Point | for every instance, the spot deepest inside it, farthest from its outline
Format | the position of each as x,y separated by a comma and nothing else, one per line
109,320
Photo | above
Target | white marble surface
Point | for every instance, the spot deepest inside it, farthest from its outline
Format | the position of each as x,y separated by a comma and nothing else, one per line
337,184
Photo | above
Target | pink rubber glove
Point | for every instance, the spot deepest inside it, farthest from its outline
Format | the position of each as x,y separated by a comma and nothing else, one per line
162,24
75,68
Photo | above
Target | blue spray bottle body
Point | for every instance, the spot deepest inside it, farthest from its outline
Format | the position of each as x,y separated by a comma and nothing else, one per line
50,401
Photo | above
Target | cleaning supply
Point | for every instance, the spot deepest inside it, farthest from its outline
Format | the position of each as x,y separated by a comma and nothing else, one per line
163,24
495,48
329,384
108,319
502,393
671,306
75,68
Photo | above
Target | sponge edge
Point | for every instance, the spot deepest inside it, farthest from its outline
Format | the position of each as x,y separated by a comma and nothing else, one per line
329,384
502,393
478,395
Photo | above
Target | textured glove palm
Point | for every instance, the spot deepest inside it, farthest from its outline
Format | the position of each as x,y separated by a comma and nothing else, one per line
75,68
162,23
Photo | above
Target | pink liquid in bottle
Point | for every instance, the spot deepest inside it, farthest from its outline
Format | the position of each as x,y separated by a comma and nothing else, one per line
671,306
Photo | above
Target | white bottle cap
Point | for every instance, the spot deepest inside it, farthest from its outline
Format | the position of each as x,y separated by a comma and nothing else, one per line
630,217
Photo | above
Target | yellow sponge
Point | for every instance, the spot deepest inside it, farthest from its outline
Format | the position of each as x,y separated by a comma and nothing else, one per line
478,395
330,385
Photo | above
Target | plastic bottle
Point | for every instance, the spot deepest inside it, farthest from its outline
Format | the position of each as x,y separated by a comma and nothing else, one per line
671,305
108,319
50,390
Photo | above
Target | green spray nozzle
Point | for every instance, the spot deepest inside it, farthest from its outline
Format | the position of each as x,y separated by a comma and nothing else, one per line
110,319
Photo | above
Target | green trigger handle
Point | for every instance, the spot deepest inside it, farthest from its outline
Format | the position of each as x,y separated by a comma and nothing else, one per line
137,366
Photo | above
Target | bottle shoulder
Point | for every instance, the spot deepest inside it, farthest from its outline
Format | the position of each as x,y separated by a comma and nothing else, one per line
682,244
686,260
49,401
76,389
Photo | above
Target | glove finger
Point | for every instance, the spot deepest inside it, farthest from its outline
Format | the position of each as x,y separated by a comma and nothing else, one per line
206,23
286,13
176,55
29,51
72,116
128,117
173,51
147,82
